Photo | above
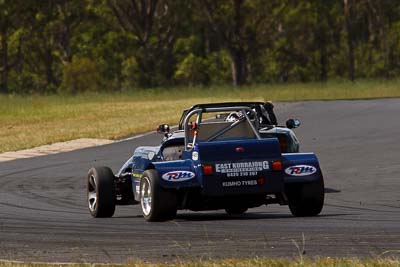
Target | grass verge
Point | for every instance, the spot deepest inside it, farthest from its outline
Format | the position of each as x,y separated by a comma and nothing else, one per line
29,121
259,262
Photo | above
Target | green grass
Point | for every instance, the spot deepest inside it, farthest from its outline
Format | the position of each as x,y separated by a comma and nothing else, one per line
258,262
29,121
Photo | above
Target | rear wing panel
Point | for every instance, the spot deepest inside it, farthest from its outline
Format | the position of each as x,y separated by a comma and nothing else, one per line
227,150
301,167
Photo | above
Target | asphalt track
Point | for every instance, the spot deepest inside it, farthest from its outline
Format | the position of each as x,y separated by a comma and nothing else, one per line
43,214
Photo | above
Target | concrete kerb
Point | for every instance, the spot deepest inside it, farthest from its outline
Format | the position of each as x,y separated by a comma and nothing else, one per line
67,146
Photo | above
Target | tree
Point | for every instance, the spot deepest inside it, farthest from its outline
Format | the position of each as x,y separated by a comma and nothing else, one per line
349,14
384,23
322,36
54,25
153,24
4,64
244,27
145,43
228,21
9,11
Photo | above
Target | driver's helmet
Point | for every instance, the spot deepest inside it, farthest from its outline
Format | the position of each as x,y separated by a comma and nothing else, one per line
234,116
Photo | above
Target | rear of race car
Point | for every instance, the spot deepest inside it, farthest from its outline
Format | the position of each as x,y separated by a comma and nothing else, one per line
226,175
227,165
237,175
217,165
241,167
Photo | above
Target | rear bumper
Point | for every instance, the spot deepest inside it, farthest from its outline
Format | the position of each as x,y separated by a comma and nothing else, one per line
306,179
269,183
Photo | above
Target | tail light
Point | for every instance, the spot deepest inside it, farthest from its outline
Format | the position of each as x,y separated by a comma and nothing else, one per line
282,141
239,149
207,170
276,165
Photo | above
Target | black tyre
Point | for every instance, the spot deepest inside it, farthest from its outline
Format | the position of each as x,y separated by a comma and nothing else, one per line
101,192
306,199
236,210
158,204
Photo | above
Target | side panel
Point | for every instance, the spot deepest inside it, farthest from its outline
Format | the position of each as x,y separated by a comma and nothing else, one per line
301,167
175,174
178,173
138,163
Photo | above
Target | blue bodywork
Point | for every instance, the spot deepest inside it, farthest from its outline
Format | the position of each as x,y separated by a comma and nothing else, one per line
247,169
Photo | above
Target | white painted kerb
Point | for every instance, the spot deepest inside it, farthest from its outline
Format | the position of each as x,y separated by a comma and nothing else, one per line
54,148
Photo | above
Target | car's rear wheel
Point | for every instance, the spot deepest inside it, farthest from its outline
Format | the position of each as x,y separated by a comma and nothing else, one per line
101,192
236,210
158,204
306,199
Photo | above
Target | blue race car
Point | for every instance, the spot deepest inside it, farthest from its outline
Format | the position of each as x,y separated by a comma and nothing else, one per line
221,157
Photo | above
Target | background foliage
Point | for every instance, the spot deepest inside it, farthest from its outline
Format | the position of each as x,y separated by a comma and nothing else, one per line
62,46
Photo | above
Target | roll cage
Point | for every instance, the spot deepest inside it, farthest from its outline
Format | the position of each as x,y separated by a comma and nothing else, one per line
195,127
251,105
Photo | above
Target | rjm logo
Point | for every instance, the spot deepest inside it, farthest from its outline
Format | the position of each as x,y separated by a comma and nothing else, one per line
301,170
178,176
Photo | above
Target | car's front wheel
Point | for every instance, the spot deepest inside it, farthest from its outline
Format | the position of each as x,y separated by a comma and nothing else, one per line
158,204
101,192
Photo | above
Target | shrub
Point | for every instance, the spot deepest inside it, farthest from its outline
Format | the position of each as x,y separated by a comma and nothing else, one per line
192,70
81,75
130,73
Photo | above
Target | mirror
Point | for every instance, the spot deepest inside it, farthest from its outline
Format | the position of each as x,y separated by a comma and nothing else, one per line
292,123
163,128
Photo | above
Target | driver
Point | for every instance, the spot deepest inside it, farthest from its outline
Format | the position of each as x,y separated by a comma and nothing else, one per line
234,116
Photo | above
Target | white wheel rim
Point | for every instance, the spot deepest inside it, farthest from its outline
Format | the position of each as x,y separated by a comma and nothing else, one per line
92,193
145,196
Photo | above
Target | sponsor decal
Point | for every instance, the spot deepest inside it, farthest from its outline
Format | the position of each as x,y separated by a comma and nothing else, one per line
241,169
178,176
239,183
259,181
300,170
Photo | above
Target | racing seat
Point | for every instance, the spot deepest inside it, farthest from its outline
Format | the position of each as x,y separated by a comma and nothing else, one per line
173,152
208,129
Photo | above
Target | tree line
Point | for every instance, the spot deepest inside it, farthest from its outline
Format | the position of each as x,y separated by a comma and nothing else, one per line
50,46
